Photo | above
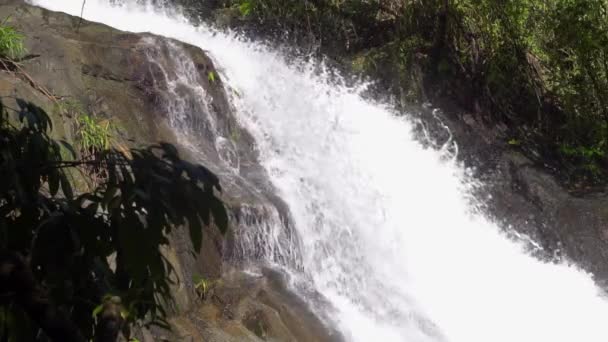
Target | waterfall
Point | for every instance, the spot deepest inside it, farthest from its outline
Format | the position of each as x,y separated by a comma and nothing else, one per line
389,233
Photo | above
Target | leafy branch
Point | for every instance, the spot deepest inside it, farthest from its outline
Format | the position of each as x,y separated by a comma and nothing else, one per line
56,242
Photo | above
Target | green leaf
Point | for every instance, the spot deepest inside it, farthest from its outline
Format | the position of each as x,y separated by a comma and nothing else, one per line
211,76
220,216
53,182
197,278
245,8
69,148
66,187
196,232
514,142
124,314
97,310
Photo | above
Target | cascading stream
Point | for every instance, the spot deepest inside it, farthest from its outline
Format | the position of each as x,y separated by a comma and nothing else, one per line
390,236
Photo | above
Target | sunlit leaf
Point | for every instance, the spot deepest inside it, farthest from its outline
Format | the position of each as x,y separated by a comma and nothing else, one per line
97,310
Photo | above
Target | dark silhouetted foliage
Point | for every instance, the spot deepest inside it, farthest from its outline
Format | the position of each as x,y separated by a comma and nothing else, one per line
76,266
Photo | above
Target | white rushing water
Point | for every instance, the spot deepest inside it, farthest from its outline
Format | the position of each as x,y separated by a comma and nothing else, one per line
389,236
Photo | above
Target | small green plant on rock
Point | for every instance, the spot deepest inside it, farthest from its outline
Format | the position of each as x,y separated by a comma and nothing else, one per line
11,43
245,7
211,77
94,135
201,286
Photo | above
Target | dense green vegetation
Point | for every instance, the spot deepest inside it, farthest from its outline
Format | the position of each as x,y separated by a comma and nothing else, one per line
541,67
79,264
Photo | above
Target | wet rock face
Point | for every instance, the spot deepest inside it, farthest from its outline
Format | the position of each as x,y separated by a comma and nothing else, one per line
156,89
567,226
525,197
91,64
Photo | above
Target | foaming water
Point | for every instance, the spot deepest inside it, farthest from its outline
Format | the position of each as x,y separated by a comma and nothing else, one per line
389,235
